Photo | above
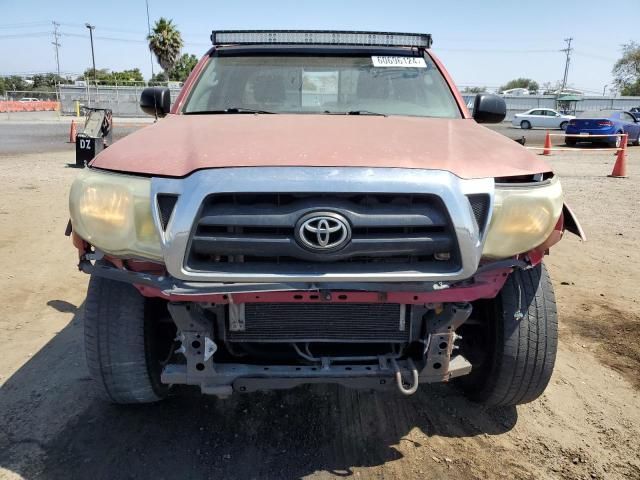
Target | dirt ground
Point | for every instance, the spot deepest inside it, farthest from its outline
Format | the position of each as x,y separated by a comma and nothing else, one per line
587,425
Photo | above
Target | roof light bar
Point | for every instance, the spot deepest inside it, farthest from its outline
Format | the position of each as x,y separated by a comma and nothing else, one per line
320,37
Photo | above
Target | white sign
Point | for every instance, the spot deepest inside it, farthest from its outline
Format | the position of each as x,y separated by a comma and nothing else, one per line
411,62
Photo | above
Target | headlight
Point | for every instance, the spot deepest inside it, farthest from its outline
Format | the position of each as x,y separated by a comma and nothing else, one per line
523,218
113,213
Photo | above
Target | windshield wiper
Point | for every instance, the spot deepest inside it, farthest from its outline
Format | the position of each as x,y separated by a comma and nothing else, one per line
366,112
230,110
356,112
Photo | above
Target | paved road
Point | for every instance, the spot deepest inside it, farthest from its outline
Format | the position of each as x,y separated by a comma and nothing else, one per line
42,132
18,138
533,136
19,135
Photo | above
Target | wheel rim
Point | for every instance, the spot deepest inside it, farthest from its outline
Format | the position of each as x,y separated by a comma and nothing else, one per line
618,142
526,125
563,126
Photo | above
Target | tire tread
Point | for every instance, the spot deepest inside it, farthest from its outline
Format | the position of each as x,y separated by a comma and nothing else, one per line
525,348
114,326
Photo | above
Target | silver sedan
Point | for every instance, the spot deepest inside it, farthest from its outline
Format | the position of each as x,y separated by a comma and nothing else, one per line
541,117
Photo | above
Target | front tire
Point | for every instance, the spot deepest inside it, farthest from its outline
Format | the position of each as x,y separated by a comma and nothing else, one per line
521,341
525,125
125,342
570,142
563,126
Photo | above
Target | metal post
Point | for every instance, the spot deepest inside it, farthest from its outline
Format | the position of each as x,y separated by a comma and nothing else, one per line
93,57
117,98
86,85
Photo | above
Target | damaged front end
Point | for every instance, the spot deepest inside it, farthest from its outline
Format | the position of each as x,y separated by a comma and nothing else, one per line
257,305
248,337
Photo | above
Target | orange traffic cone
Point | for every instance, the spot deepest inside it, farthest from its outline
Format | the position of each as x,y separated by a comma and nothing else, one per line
620,167
547,144
73,132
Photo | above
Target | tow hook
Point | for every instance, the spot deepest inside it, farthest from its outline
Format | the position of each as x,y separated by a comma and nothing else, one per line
413,387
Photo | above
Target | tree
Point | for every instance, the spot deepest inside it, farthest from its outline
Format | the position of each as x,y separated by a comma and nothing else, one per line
626,71
101,75
133,75
183,67
527,83
15,82
47,81
474,89
632,90
105,77
165,42
159,79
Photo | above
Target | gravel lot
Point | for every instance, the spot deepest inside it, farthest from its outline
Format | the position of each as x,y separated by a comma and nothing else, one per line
585,426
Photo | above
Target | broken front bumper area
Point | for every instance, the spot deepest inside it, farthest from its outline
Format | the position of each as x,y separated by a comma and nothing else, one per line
438,363
203,314
485,283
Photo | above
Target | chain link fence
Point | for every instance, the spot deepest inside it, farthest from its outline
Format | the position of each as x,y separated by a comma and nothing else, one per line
122,100
519,104
30,95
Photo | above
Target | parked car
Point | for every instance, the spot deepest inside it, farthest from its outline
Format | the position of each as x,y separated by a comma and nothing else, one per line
28,99
541,118
604,122
318,207
516,92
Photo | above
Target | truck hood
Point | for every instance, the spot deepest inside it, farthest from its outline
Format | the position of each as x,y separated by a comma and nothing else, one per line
181,144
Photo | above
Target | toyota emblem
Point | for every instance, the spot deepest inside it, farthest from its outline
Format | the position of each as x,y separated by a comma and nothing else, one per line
323,232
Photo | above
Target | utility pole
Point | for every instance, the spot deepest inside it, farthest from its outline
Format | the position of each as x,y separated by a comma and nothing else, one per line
149,32
567,61
56,44
93,57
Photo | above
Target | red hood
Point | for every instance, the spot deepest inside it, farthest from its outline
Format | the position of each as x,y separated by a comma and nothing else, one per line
180,144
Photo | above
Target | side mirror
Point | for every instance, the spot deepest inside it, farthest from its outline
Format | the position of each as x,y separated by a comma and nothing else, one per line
489,108
155,100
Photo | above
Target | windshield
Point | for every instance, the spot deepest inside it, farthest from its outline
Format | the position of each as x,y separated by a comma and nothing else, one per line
322,84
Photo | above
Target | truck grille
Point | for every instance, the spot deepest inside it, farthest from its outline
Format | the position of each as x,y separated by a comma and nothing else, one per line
306,322
253,233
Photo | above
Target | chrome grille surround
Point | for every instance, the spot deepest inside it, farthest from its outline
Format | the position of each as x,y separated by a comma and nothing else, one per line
192,191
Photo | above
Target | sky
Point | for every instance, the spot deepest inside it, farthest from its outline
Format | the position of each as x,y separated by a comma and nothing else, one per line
482,43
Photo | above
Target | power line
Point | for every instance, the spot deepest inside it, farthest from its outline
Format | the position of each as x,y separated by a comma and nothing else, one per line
23,25
567,62
492,50
22,35
597,57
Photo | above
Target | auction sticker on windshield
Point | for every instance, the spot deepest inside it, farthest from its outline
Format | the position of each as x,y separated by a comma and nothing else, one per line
414,62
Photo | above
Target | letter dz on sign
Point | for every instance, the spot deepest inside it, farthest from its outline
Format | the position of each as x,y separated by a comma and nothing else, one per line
86,149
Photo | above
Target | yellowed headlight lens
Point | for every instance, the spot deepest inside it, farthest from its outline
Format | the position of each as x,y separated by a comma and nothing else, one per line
113,213
523,218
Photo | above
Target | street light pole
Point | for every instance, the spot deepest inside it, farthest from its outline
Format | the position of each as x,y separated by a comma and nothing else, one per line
93,58
604,89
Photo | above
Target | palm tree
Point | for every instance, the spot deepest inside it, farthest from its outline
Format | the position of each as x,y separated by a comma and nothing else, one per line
165,42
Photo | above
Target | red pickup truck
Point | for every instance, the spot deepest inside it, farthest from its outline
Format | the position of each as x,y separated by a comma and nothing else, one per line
318,207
